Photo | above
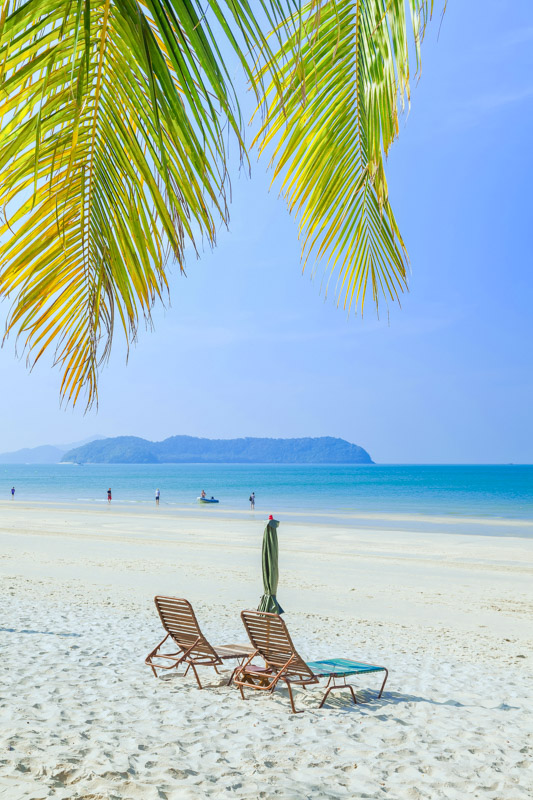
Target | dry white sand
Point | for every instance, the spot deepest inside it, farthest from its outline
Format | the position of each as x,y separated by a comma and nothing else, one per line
81,716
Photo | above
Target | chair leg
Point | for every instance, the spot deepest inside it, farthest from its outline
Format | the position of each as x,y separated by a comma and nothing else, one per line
383,684
292,699
325,696
196,675
342,686
232,675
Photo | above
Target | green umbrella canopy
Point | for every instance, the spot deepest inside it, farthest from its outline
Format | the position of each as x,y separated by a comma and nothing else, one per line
270,569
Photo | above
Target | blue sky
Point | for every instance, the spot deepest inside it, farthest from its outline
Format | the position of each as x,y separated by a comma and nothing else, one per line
249,347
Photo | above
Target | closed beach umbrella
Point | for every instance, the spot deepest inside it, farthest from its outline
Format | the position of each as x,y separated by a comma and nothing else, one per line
270,568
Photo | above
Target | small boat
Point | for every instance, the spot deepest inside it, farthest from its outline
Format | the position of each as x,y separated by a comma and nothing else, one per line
206,500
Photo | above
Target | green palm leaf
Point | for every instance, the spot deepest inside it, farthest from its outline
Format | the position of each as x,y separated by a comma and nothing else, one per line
330,114
115,117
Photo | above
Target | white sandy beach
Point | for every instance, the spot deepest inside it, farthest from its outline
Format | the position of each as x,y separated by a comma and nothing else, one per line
83,717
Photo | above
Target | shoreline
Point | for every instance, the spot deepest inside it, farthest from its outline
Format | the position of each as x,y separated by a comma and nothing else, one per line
386,521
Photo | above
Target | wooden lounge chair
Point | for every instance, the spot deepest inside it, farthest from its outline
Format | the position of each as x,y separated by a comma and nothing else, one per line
271,640
180,623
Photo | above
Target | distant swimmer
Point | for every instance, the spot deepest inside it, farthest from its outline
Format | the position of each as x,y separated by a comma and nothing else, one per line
13,493
109,495
203,495
157,496
252,501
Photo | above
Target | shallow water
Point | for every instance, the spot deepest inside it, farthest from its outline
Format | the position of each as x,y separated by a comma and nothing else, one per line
404,493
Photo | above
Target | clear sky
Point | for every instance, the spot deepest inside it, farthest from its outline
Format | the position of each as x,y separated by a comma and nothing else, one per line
249,347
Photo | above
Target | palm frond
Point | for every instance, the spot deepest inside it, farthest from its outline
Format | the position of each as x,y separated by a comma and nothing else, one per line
330,114
114,117
102,171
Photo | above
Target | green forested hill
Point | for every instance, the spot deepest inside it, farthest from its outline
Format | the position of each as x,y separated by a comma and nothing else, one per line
190,449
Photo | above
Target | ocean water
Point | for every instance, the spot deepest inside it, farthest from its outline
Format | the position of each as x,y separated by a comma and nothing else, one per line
495,494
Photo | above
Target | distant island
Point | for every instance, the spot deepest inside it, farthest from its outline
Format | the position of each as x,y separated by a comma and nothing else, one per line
190,449
44,454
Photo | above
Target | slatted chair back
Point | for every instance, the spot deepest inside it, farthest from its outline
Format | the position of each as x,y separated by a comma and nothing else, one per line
270,637
179,621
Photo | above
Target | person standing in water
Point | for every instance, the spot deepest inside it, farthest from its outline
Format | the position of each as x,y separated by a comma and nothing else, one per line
109,495
157,496
203,495
252,501
12,492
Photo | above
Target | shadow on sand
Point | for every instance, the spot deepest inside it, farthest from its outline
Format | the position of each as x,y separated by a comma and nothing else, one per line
40,633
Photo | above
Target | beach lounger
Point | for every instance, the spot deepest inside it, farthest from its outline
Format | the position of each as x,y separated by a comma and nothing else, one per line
180,623
271,640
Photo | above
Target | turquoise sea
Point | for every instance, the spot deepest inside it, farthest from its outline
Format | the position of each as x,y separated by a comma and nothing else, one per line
502,496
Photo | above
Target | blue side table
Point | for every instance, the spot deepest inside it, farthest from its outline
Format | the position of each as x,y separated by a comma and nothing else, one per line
338,669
